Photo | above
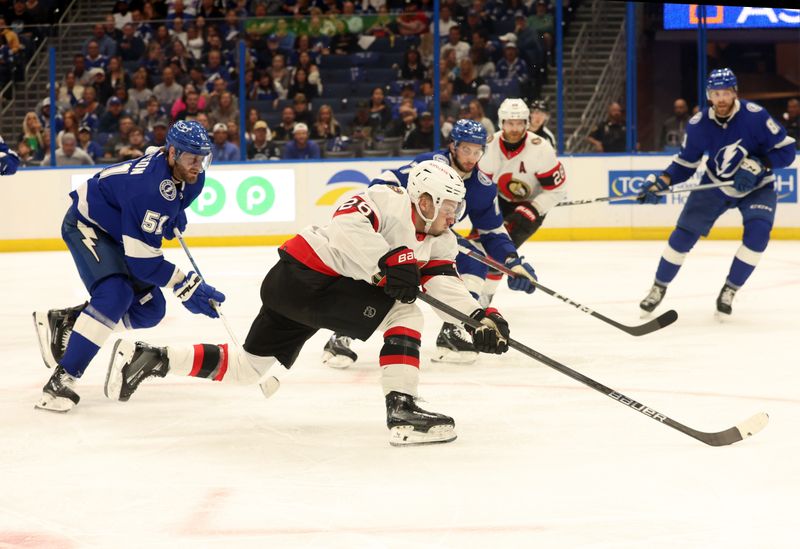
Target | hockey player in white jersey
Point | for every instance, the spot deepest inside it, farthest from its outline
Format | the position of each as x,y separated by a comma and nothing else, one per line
358,274
530,179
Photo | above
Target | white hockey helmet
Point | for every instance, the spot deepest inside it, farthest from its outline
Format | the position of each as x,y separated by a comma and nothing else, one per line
513,109
441,182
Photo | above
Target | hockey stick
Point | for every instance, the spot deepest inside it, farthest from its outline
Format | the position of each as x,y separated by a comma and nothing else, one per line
659,193
739,432
657,323
271,383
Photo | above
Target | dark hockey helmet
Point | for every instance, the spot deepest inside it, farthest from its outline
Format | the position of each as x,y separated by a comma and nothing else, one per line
468,131
721,79
190,137
539,105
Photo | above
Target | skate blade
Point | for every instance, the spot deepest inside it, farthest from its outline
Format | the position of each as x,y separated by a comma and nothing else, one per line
41,323
449,356
336,361
54,404
721,317
270,386
645,314
407,436
120,356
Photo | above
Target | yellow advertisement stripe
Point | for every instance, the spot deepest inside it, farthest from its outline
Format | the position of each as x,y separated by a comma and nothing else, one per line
554,234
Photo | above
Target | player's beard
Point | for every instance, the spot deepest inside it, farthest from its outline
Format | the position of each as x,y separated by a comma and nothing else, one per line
463,171
182,174
728,109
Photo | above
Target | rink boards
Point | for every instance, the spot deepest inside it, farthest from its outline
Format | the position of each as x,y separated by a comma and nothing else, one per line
264,202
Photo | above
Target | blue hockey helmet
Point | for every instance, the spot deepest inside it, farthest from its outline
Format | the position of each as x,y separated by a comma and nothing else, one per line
721,79
468,131
190,137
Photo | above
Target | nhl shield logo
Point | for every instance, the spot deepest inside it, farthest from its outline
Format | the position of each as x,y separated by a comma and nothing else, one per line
370,311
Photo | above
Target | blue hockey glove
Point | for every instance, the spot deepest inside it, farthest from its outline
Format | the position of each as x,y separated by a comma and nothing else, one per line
746,177
523,282
652,185
197,296
179,222
492,336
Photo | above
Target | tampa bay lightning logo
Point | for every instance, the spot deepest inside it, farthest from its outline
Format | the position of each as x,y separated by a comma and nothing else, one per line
728,159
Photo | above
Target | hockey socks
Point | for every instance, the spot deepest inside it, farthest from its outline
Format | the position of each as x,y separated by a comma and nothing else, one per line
399,360
91,330
754,242
680,243
218,363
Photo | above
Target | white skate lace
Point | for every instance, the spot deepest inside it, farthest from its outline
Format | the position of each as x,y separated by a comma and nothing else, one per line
65,337
655,294
462,334
727,295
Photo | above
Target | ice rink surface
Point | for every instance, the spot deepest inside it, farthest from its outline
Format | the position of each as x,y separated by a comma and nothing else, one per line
540,461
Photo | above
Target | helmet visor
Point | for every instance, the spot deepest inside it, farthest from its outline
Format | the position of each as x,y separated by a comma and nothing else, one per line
193,162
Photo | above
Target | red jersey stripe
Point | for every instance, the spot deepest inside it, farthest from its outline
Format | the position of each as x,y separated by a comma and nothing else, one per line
199,352
302,251
401,331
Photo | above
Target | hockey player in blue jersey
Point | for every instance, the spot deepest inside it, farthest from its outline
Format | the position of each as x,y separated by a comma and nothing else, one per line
467,142
744,145
114,230
9,161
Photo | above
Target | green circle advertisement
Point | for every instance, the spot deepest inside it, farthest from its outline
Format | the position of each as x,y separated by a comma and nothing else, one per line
255,195
211,200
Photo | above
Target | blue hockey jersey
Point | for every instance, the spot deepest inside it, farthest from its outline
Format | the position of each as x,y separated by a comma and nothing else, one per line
9,161
748,132
482,207
132,201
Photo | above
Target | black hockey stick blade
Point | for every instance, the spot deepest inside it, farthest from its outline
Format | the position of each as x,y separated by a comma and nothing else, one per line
745,429
739,432
652,325
657,323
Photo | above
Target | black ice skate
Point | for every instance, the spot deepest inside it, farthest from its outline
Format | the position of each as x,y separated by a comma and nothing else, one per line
337,352
653,299
58,394
411,425
454,344
130,365
53,329
725,299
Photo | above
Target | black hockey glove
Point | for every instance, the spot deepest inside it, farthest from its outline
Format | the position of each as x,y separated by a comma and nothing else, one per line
492,336
400,274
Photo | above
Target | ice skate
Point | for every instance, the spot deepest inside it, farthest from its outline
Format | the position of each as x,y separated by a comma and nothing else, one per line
58,394
337,352
725,301
411,425
132,363
53,329
653,299
454,345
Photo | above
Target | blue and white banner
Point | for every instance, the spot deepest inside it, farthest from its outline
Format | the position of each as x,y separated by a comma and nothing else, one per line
684,16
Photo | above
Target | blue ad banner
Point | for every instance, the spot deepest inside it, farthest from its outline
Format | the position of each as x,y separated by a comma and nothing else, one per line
629,183
684,16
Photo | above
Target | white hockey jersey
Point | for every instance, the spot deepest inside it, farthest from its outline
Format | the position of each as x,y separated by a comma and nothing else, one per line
531,173
366,227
